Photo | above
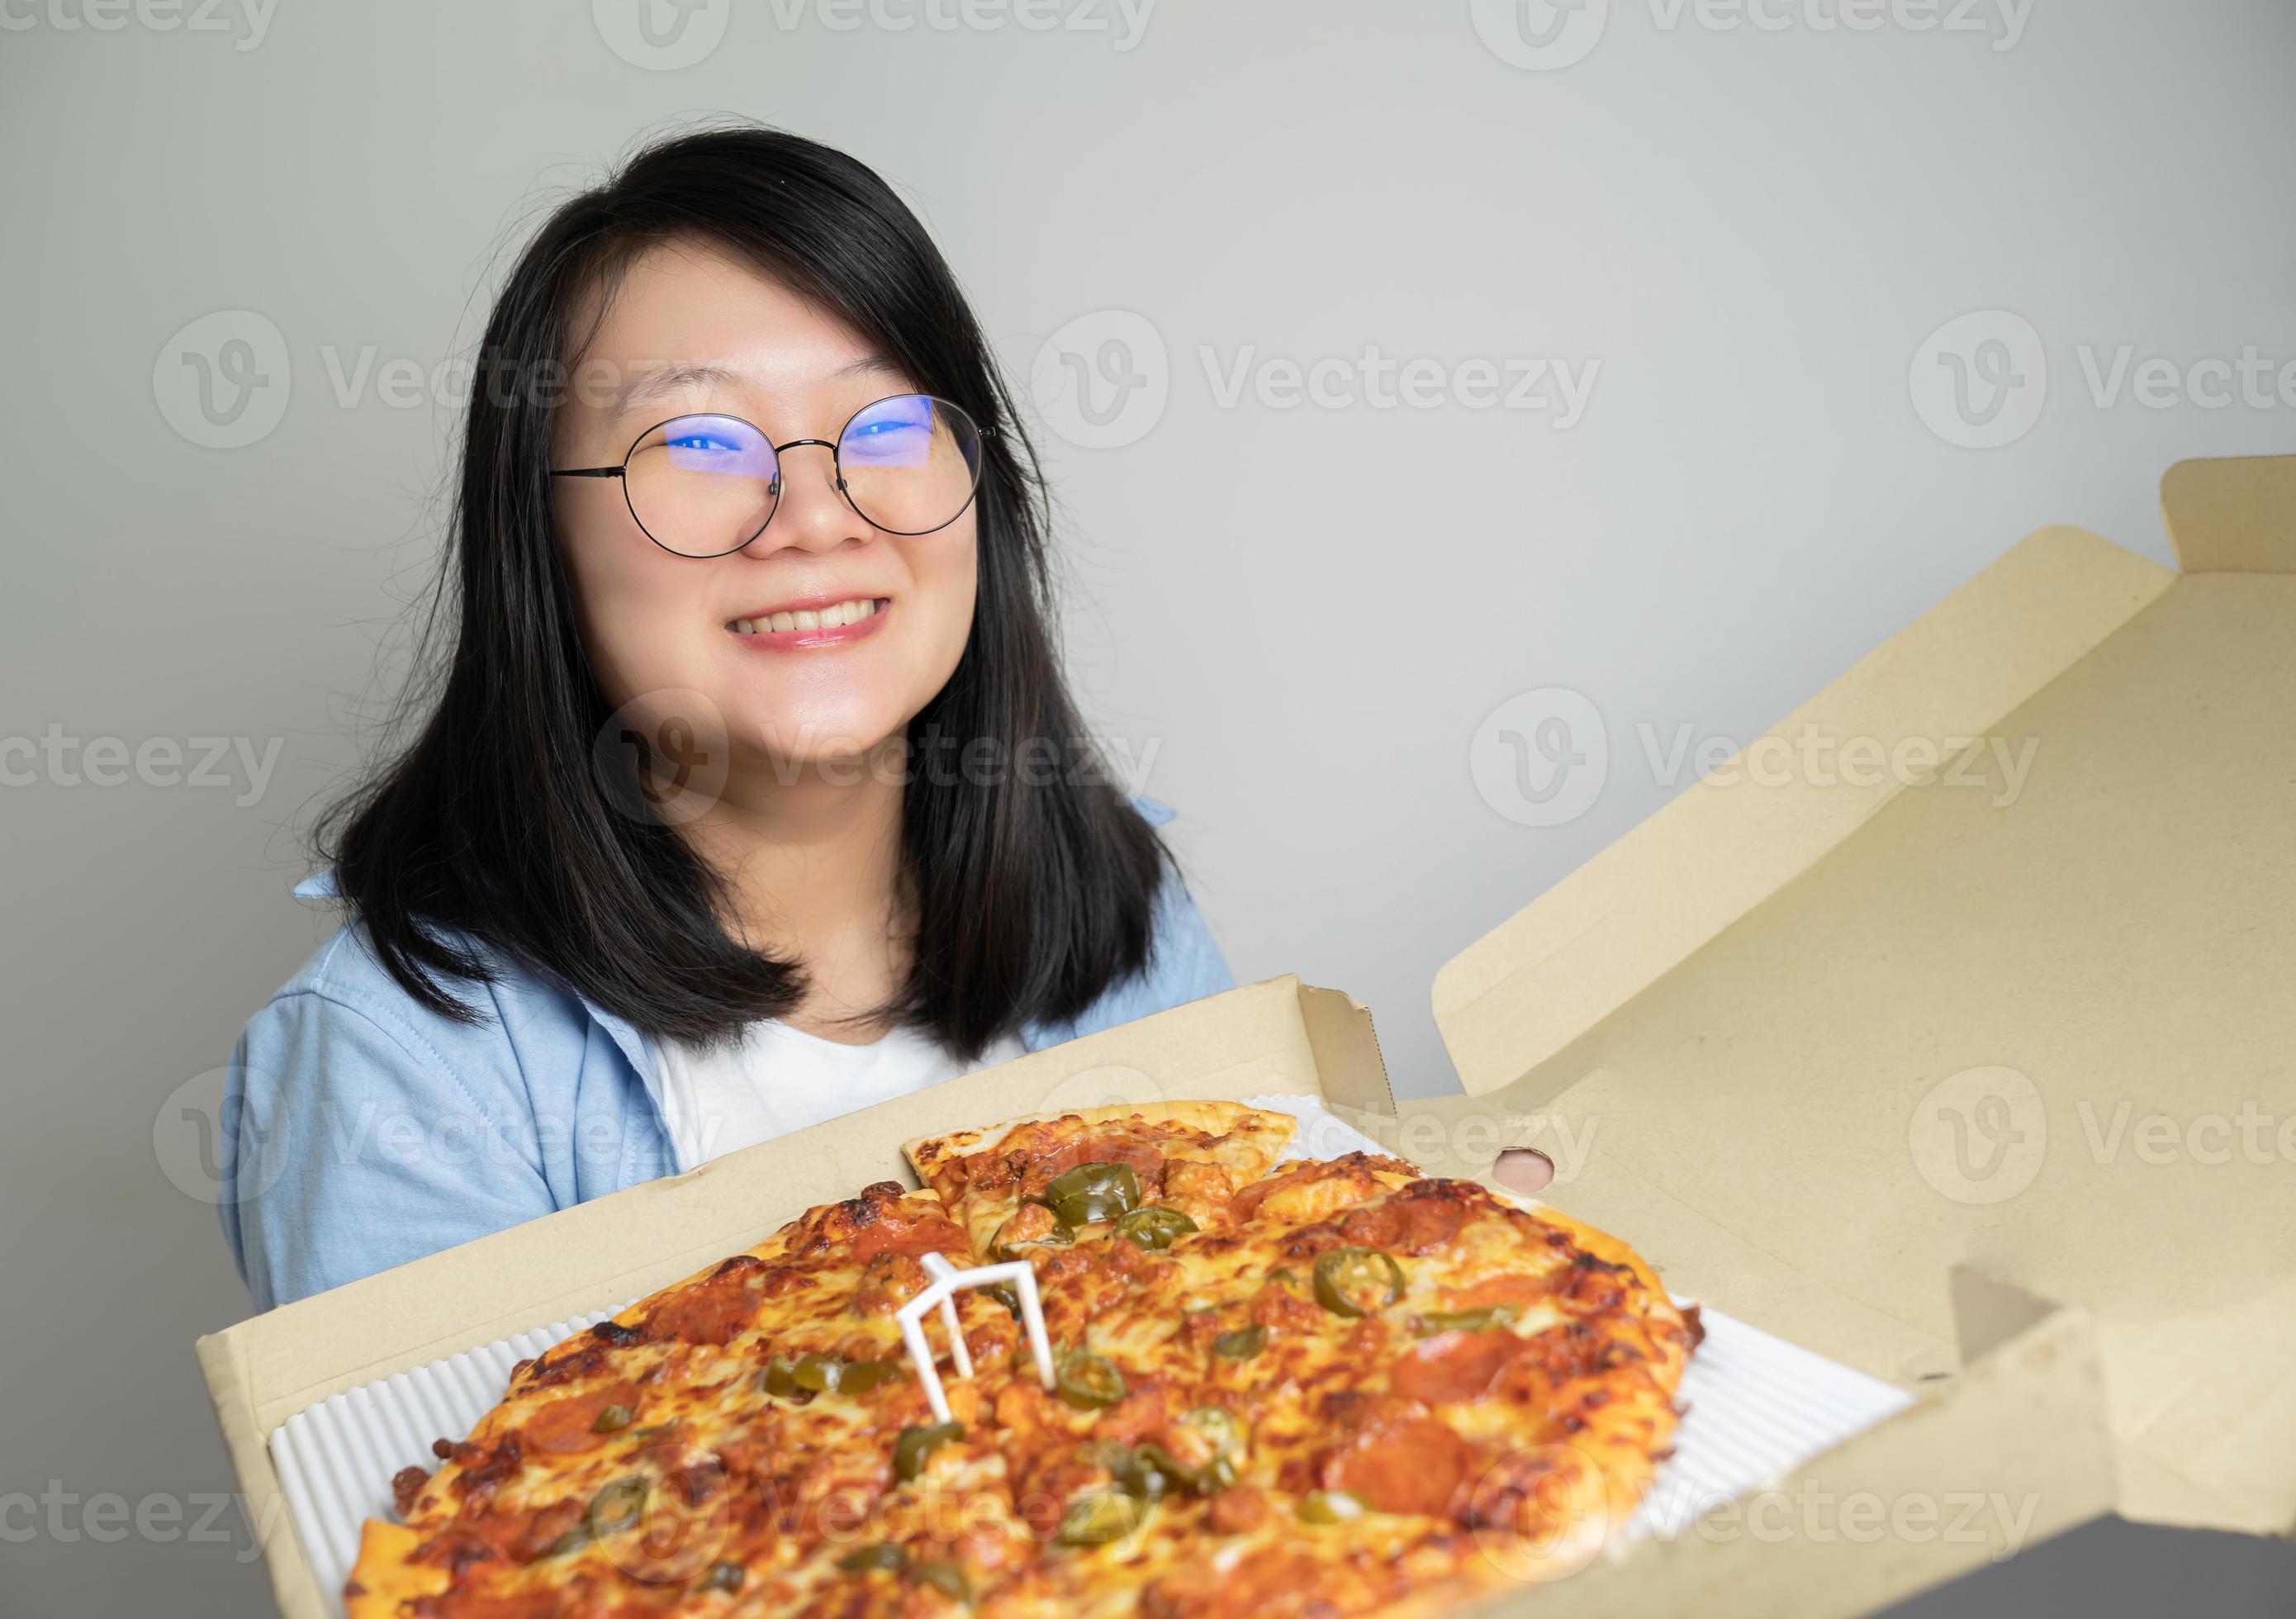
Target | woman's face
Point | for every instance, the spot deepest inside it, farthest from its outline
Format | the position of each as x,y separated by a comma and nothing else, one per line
692,330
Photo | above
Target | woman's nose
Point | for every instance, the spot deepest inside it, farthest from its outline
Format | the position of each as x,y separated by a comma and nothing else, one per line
812,514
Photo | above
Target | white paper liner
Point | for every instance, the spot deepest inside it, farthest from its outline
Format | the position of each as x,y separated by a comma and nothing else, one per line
1756,1407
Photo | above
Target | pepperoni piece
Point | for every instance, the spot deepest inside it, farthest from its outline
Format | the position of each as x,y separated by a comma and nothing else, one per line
1453,1366
893,1233
716,1311
565,1427
1430,1222
1412,1466
1146,1164
1240,1510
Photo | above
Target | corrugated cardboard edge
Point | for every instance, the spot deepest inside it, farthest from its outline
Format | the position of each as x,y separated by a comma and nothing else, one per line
2234,514
264,1369
287,1565
1645,904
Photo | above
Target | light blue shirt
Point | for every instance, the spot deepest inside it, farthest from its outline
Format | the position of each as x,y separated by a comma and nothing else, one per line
363,1130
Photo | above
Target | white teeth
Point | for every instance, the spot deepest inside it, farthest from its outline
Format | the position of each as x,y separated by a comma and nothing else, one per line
844,613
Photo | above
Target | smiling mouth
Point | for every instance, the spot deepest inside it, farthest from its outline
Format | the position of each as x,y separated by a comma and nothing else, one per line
835,616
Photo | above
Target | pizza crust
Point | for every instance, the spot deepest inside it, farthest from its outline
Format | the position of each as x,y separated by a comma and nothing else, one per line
1215,1118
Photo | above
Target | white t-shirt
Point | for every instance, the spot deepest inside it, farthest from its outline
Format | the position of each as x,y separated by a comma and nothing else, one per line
778,1078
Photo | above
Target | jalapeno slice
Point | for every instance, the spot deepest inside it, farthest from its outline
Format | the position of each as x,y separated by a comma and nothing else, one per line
1154,1227
1098,1516
617,1506
915,1446
779,1379
725,1577
1467,1321
832,1375
1005,1249
1093,1191
1240,1343
1087,1381
947,1578
613,1420
1151,1470
1358,1281
1329,1507
879,1556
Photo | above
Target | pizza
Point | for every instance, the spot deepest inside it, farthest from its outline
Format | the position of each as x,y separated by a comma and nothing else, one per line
1309,1388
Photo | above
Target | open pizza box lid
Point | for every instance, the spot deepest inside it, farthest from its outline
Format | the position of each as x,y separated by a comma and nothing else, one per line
1759,1014
1982,1084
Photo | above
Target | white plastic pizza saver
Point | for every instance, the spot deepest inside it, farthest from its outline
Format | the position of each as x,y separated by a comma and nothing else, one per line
948,1280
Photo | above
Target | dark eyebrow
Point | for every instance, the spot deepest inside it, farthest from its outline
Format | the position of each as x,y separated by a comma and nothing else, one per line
866,363
670,376
652,382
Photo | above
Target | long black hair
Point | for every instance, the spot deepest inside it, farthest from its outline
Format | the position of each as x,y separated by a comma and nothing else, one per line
490,835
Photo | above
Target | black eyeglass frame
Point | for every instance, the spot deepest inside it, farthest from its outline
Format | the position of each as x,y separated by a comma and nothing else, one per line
836,459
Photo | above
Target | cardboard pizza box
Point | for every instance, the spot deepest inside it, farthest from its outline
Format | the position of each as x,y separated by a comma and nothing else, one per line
1972,1078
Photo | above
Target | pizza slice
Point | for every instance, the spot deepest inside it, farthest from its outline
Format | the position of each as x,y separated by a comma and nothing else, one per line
752,1431
1371,1389
1149,1173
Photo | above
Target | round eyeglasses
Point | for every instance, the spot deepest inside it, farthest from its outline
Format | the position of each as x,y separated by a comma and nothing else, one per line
707,485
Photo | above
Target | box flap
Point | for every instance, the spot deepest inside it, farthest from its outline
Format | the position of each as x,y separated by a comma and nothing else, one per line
1609,930
2036,1022
2233,515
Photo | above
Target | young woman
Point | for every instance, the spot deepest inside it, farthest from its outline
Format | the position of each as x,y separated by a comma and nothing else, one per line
746,791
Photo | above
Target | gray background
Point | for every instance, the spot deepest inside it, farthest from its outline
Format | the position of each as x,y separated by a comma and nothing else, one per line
1306,612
